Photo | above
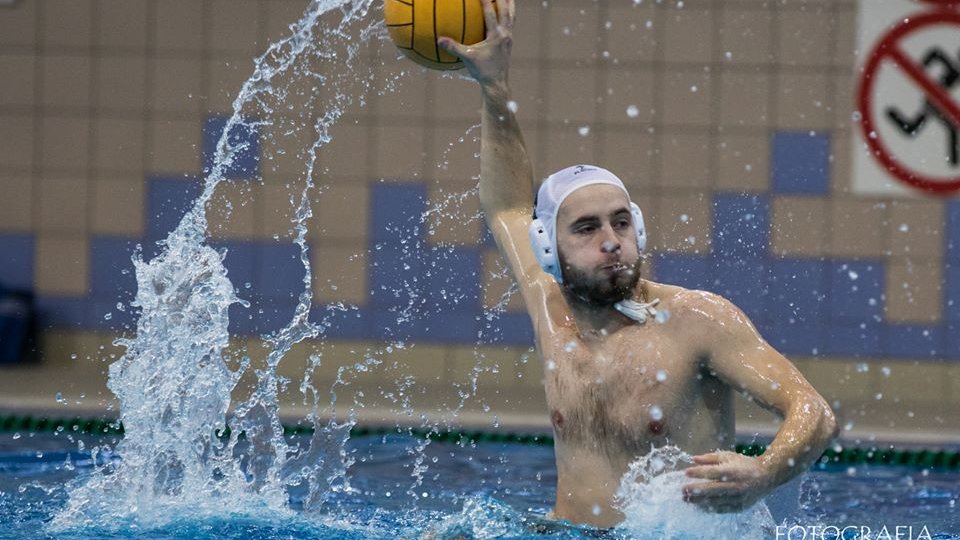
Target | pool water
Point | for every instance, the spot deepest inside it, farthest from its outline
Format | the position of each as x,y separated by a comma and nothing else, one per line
486,490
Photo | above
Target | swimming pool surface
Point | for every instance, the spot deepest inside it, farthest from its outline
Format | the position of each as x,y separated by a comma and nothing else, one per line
488,490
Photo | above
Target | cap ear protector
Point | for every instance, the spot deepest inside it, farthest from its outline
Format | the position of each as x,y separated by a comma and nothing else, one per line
546,252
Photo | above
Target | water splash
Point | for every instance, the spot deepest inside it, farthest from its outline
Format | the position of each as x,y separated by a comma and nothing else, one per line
650,497
175,380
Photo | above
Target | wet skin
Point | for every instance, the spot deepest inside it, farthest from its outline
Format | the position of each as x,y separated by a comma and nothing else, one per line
600,368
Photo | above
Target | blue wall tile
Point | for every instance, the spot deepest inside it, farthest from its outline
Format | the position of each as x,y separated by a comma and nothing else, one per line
741,225
799,338
395,212
241,264
800,163
453,278
743,282
112,273
856,291
951,291
952,234
395,277
856,340
63,312
279,270
683,269
512,328
914,341
343,324
17,251
244,138
795,291
168,200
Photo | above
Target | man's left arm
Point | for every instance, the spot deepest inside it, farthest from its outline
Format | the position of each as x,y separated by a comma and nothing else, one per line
740,357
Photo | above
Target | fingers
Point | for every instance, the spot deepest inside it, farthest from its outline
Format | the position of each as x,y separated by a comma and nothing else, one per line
490,17
711,491
709,472
712,458
452,46
508,10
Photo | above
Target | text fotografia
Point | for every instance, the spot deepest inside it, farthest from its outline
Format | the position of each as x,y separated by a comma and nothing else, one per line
852,532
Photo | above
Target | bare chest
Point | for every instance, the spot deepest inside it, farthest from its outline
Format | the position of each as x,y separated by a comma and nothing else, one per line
623,394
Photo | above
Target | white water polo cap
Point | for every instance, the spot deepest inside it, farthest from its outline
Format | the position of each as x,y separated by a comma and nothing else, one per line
557,187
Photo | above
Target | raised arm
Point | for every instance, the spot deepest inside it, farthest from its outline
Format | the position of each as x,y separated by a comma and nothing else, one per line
739,356
506,176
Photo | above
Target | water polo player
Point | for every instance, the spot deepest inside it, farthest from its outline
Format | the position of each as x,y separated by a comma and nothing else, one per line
621,376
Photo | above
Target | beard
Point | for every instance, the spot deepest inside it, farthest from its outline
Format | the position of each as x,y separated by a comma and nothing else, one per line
599,288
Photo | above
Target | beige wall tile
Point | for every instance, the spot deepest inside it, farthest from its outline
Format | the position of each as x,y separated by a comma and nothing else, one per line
122,24
857,228
19,139
119,146
280,15
234,211
226,77
400,152
915,227
905,382
174,146
454,216
284,155
914,290
845,36
743,99
65,143
806,37
176,85
802,102
16,204
687,97
743,162
66,81
276,211
497,280
628,98
66,23
683,223
17,86
64,203
18,24
563,147
840,164
530,22
681,26
632,35
745,34
341,214
62,265
628,153
457,161
572,32
685,160
489,370
339,273
233,26
179,25
844,101
121,83
117,206
526,92
407,100
798,227
571,96
836,379
450,99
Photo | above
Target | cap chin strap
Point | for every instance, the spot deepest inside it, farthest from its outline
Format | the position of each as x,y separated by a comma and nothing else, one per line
638,311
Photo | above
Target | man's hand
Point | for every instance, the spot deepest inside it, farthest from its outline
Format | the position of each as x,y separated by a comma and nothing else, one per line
735,482
489,60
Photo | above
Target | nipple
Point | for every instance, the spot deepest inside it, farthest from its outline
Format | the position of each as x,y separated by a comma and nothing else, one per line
557,419
656,427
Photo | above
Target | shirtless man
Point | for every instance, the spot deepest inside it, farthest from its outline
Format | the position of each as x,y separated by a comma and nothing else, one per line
618,379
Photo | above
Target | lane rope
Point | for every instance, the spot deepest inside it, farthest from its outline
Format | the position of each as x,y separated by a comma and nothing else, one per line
922,458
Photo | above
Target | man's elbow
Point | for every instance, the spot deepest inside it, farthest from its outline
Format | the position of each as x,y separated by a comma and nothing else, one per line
829,428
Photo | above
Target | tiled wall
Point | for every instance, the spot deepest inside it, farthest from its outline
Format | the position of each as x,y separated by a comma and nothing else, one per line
729,119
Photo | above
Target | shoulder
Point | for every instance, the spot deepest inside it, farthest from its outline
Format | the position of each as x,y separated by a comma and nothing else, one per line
695,305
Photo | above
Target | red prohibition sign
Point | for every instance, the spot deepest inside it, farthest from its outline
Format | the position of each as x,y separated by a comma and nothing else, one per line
889,49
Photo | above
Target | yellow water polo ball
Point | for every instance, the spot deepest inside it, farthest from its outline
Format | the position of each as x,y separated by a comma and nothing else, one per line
415,25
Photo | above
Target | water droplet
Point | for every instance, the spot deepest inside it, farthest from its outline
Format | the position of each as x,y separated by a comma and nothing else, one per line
853,275
108,316
863,367
59,397
728,55
633,111
694,88
596,510
551,365
513,106
662,316
16,436
584,131
661,375
885,370
570,346
904,227
656,413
